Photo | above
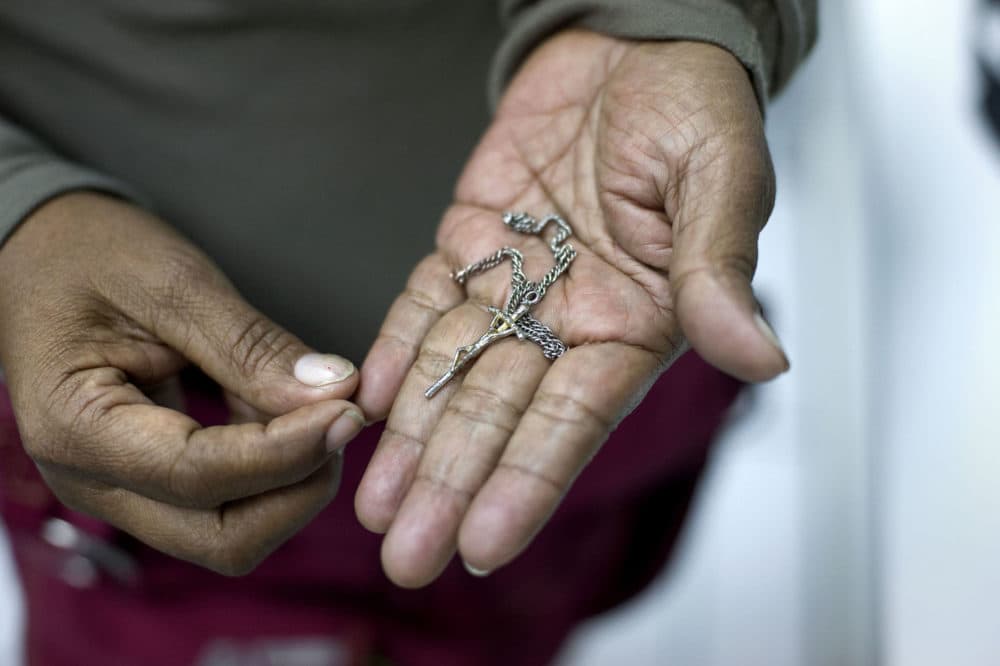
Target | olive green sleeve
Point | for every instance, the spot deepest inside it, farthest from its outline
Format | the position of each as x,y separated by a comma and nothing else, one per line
31,174
770,37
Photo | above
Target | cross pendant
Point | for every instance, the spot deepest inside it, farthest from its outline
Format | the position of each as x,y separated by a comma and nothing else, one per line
503,325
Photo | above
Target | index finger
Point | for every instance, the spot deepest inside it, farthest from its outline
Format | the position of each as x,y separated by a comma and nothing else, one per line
112,432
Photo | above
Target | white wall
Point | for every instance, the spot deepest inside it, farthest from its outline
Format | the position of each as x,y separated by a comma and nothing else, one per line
935,204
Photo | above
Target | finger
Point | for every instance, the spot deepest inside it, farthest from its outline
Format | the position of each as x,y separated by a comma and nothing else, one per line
231,540
264,365
461,453
411,421
724,204
187,302
429,293
580,400
110,430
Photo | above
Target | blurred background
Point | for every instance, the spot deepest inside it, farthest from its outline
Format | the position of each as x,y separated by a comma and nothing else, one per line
851,515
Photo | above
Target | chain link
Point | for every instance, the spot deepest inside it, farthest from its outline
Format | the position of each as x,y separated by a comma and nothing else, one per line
562,252
524,292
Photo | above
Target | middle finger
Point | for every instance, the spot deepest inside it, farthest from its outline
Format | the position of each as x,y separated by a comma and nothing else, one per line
460,455
412,419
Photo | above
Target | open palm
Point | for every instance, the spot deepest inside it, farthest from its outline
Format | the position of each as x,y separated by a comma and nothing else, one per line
654,153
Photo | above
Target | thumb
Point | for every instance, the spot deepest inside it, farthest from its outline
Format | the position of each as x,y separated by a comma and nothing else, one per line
249,355
724,204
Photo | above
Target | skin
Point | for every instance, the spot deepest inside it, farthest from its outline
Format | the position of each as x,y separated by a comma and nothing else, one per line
655,153
101,305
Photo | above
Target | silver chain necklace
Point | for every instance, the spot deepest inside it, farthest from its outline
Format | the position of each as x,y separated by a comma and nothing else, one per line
515,317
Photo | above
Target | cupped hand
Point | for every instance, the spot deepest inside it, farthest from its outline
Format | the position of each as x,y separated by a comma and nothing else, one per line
99,301
655,154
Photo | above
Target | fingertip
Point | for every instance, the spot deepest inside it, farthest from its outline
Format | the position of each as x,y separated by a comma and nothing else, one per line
313,378
321,427
480,537
418,547
723,325
322,370
398,571
326,375
343,429
770,336
492,534
370,511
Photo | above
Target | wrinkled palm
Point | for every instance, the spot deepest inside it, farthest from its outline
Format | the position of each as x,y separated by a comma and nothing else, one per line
655,155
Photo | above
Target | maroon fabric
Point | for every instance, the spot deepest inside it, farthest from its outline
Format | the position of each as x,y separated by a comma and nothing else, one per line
612,534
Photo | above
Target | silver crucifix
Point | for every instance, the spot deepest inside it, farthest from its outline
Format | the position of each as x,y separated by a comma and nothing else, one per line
502,326
514,318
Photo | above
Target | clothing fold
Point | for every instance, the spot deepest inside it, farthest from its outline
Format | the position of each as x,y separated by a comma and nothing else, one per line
31,174
770,37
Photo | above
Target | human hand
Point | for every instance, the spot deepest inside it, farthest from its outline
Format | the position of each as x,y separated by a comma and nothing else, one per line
655,154
98,299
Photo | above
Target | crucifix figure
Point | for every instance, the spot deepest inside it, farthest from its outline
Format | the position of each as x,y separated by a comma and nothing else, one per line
514,318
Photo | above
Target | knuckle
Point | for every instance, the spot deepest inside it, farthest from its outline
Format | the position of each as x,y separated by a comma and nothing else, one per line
433,272
736,264
444,485
421,301
408,439
558,486
562,409
432,268
430,364
79,409
732,266
257,342
485,406
186,481
182,488
230,553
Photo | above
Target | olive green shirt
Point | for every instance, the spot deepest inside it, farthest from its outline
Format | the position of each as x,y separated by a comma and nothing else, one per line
309,146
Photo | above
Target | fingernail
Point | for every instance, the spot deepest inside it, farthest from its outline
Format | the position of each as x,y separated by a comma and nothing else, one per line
321,370
478,573
343,430
771,336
